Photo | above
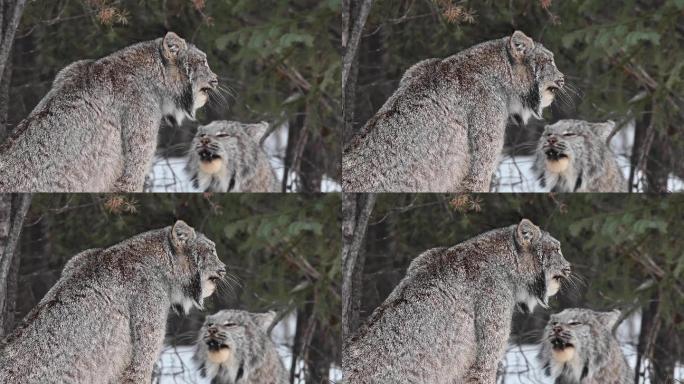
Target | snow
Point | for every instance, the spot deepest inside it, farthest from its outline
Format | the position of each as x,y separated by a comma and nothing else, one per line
514,173
177,367
168,174
521,365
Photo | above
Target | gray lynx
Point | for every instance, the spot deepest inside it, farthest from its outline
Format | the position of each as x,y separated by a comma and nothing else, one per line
443,128
573,156
234,348
449,319
226,156
104,320
96,130
578,348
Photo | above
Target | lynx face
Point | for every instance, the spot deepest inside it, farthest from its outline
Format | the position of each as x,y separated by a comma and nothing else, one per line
198,266
190,80
228,337
563,143
548,269
220,153
573,337
535,71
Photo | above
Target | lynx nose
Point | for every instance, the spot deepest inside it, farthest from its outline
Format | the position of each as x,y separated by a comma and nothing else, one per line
552,140
204,140
557,329
212,330
213,82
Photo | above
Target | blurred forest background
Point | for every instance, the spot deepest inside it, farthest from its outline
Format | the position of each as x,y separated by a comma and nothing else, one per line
279,61
625,59
282,250
627,249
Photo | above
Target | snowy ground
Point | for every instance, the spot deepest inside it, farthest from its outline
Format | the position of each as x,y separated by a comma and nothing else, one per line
168,174
521,364
515,172
177,366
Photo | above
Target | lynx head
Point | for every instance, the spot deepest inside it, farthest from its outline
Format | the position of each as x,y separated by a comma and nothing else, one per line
576,342
535,77
569,149
195,266
222,152
541,265
188,77
231,341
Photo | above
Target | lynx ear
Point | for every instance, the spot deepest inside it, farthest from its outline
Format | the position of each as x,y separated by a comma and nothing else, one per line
172,45
603,130
264,320
527,233
257,130
181,233
520,45
609,319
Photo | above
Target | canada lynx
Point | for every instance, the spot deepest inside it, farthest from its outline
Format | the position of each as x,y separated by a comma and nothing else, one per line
578,348
448,321
96,130
234,347
443,128
104,320
226,156
573,156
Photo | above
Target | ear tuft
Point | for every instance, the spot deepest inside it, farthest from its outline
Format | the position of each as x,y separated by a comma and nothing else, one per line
257,130
181,233
264,320
173,44
527,233
520,45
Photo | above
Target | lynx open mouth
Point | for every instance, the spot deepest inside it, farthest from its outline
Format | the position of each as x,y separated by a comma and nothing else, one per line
207,155
215,345
553,89
553,154
560,344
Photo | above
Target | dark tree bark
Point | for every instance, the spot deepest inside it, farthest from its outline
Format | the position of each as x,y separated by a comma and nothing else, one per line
13,208
354,16
356,210
10,14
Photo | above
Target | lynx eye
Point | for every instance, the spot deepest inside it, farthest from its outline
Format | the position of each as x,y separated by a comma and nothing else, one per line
222,134
229,324
210,324
574,323
569,134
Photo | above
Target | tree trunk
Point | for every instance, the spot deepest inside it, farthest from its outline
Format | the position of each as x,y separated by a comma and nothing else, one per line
354,16
356,210
13,208
10,14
